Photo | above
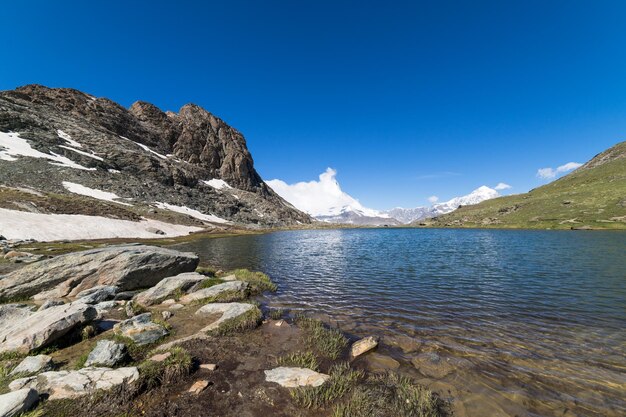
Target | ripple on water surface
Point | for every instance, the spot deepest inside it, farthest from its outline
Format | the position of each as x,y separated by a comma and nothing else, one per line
531,321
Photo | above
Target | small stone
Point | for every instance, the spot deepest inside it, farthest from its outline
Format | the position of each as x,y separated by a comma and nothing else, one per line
199,386
364,345
295,377
160,357
208,366
141,329
33,364
279,323
168,302
176,306
166,315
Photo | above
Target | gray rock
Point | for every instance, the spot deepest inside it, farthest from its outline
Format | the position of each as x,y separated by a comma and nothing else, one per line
215,290
128,267
105,306
44,327
107,353
97,294
226,311
73,384
33,364
17,402
141,329
13,313
51,303
168,286
295,377
364,345
125,295
155,230
166,315
432,365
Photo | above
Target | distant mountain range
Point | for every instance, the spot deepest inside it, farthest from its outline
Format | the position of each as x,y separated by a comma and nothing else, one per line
591,197
358,215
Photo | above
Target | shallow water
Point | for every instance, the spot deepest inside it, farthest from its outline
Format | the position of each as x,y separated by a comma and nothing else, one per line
528,323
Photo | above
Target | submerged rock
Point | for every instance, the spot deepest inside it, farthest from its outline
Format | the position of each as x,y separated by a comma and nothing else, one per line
107,353
42,328
295,377
141,329
226,310
167,287
214,291
364,345
33,364
17,402
432,365
72,384
129,267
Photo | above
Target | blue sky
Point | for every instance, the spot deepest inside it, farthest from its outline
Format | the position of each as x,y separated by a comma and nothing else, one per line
404,99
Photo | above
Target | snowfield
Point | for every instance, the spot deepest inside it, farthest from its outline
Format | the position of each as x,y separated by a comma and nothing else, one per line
46,227
190,212
217,184
11,145
68,139
92,192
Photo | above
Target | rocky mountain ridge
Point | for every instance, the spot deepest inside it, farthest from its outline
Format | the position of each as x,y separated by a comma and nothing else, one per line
188,166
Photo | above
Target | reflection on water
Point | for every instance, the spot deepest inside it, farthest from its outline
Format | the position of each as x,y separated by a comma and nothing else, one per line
508,322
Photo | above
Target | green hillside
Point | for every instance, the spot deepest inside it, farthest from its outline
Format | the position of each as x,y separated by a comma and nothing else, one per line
593,196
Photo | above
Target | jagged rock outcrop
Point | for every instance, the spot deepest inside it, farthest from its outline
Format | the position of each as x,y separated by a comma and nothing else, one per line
141,154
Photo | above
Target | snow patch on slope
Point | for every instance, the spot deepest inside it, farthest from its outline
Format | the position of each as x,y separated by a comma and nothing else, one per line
217,184
90,155
191,212
45,227
12,145
68,139
91,192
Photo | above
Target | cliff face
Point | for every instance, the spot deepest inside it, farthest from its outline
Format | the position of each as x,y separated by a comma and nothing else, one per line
141,153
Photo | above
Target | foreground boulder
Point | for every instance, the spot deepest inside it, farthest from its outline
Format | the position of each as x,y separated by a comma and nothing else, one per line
42,328
33,365
127,267
167,287
226,311
214,291
97,294
107,353
295,377
141,329
72,384
17,402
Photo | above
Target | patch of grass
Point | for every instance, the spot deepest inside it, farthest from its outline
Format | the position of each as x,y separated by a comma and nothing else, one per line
247,321
163,323
258,281
12,355
80,362
208,283
135,351
342,380
209,271
224,297
299,359
136,308
37,412
177,294
276,313
88,332
391,395
153,374
327,342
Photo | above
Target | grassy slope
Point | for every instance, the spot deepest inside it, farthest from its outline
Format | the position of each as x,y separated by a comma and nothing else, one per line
594,195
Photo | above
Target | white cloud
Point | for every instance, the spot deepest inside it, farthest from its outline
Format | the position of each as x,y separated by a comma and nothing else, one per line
319,198
433,199
502,186
549,173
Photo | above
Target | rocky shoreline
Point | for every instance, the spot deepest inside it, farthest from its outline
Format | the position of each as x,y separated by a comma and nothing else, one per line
142,330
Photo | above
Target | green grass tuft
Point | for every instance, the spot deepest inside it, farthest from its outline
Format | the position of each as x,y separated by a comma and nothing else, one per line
326,342
247,321
342,380
153,374
276,313
299,359
393,395
208,283
80,362
258,281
